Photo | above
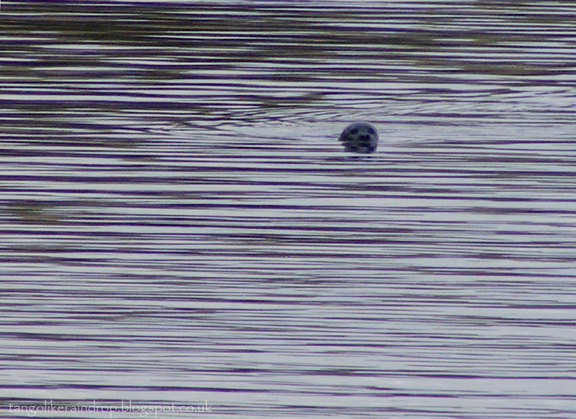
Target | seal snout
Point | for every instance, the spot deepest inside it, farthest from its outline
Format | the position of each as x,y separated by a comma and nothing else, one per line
359,137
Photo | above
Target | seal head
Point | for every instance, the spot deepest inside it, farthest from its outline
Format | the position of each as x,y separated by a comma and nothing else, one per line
359,137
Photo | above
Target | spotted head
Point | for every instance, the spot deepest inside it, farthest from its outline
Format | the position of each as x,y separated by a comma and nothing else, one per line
359,137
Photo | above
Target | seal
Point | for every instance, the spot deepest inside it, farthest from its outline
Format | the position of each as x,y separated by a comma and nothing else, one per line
359,137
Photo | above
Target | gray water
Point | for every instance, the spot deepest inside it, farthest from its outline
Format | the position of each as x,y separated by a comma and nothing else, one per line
182,235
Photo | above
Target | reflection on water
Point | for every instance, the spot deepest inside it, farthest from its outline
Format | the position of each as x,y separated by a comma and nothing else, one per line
180,224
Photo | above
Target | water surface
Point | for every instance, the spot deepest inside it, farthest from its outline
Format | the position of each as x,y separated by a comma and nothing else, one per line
180,226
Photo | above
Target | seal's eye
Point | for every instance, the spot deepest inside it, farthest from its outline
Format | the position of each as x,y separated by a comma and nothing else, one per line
354,131
371,131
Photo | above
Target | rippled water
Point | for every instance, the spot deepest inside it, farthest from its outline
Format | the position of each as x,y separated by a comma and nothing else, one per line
181,229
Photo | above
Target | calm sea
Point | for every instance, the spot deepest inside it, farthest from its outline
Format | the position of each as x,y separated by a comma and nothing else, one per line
182,235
